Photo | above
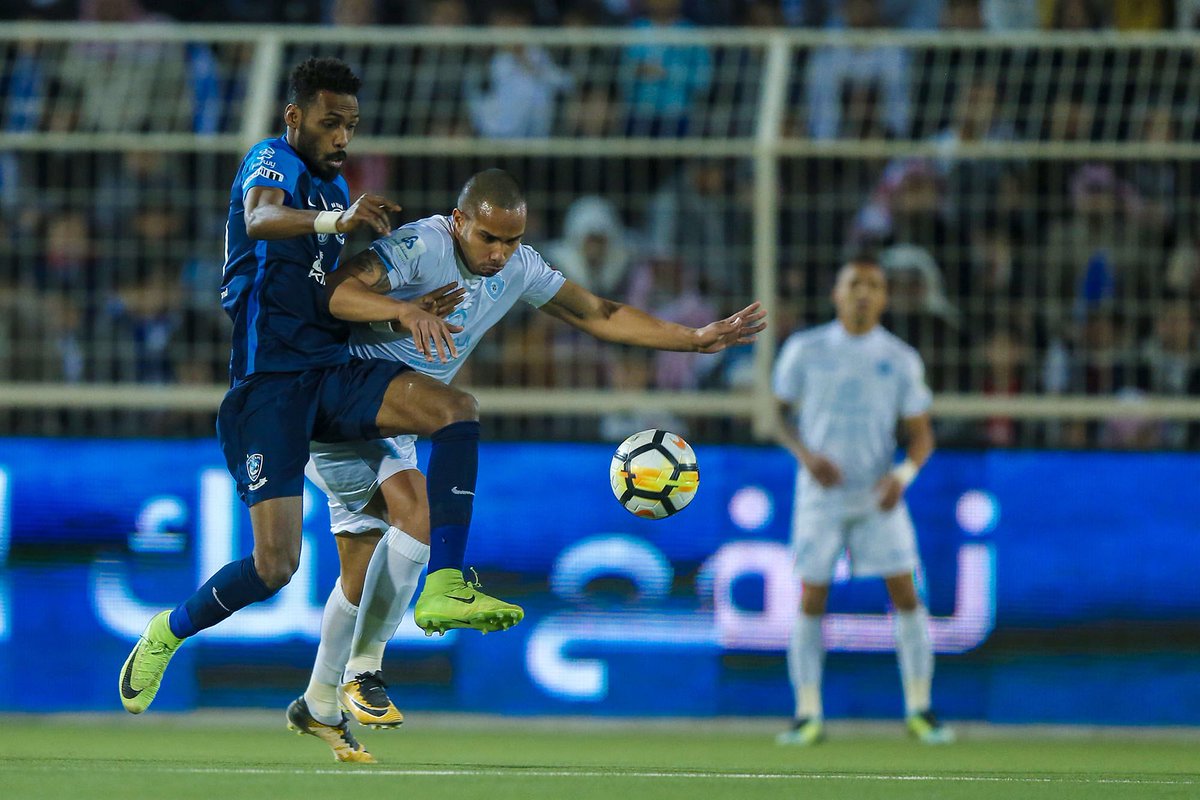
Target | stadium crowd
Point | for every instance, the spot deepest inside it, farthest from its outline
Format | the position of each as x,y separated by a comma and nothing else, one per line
1010,275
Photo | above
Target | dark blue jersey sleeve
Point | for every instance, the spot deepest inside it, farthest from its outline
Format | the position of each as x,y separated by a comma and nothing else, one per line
268,166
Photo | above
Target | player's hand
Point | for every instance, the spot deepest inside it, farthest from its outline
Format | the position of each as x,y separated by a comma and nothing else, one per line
823,470
741,328
370,210
442,300
431,334
889,490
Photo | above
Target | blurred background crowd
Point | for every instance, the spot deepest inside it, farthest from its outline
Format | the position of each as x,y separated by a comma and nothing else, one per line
1012,272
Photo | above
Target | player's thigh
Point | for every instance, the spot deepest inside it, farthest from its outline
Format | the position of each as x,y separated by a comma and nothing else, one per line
883,543
354,555
418,404
347,472
816,543
407,503
263,427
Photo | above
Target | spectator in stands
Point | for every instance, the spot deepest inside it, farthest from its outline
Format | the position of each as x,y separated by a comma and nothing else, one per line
834,69
920,313
595,250
1003,356
668,287
1080,15
661,83
633,371
1003,16
690,217
1170,366
516,98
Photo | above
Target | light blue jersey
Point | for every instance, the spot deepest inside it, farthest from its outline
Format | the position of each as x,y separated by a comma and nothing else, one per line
420,257
852,391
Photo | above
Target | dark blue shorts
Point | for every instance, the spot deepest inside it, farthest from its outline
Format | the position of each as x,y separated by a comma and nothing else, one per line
265,424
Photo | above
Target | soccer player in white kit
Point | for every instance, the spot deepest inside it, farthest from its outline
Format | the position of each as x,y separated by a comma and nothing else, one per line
472,266
843,387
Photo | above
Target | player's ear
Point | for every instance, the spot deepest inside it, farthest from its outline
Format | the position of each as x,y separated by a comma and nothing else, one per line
292,115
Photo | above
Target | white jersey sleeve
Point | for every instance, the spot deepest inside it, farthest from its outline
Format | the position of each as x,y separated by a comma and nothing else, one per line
915,396
542,281
402,252
788,378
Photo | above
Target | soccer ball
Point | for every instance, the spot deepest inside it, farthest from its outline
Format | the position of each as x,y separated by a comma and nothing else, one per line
654,474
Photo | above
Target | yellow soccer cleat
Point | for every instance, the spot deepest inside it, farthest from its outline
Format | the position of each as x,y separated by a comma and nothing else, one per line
366,699
345,747
926,727
803,733
143,670
449,601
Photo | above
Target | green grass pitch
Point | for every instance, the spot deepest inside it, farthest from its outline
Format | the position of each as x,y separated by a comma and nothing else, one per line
236,755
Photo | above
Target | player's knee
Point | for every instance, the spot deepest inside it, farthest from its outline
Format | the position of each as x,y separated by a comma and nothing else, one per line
461,407
276,569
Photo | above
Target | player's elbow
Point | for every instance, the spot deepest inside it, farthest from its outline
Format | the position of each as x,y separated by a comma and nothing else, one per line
255,224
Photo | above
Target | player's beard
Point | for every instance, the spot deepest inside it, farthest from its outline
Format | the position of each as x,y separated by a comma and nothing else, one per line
320,164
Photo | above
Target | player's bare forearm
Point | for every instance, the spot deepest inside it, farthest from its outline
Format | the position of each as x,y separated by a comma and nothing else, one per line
267,217
786,433
270,221
354,301
616,322
920,440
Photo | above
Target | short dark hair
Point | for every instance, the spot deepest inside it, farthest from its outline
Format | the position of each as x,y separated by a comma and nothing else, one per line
496,187
320,75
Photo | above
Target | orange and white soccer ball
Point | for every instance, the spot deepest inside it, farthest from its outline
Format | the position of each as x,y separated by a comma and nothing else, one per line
654,474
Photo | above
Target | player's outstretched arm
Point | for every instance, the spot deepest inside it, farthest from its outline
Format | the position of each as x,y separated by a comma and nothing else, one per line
356,291
625,324
267,217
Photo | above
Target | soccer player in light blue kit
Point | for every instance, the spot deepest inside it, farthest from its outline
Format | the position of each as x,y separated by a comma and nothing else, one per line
293,379
472,259
847,385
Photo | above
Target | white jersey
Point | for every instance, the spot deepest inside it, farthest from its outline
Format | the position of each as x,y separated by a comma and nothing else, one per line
851,391
420,257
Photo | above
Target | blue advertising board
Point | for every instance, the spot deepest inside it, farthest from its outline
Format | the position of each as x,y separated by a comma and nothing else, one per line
1061,587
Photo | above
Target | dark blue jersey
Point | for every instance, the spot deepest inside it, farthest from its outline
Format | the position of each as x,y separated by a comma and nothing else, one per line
274,290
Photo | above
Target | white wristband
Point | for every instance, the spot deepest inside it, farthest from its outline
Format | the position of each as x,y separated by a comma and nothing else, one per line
905,472
326,222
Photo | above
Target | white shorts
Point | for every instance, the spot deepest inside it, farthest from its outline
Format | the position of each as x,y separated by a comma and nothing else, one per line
878,543
349,473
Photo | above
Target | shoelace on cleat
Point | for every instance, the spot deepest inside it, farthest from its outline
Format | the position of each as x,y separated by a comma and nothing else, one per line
372,688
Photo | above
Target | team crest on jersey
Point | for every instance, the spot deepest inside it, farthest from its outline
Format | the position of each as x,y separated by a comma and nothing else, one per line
884,368
494,286
254,465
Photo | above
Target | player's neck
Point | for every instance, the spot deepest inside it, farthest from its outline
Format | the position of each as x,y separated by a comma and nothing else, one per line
857,329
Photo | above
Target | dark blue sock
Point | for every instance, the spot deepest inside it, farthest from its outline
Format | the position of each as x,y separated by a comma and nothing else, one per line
235,585
453,465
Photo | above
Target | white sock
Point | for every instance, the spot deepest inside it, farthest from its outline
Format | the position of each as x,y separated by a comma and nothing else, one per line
337,629
914,651
806,660
391,581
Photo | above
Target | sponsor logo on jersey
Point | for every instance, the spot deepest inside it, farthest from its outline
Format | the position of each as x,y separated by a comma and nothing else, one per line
269,174
317,270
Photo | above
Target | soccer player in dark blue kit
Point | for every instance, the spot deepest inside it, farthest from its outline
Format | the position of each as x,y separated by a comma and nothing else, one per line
293,380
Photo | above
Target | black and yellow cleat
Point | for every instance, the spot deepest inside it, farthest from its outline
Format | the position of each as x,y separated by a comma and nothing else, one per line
143,670
804,732
366,699
345,747
449,601
929,729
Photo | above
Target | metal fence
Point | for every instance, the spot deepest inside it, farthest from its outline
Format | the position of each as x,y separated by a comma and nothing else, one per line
1032,199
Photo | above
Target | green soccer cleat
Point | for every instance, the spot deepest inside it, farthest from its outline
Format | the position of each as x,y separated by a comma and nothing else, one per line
803,733
449,601
366,699
143,670
926,727
339,738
